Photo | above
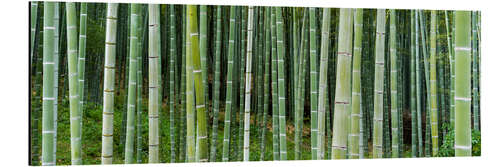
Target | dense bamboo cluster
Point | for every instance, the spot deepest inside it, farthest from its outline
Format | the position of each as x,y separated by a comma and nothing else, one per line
250,83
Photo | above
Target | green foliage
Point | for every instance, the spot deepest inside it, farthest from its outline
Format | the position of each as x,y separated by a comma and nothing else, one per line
447,147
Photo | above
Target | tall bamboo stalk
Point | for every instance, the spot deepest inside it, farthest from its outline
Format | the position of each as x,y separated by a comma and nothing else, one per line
266,84
418,87
281,82
355,137
433,86
379,82
300,94
216,90
81,56
475,71
394,83
451,55
132,84
243,33
229,84
109,84
195,59
173,97
35,159
274,88
48,86
313,84
182,136
248,79
342,91
76,143
142,33
153,106
322,97
413,92
56,72
462,48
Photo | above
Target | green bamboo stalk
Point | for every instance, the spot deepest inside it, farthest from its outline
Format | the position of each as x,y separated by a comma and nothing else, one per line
299,104
203,51
355,138
394,83
229,80
76,144
35,159
109,84
56,72
217,86
259,70
433,86
427,103
413,90
266,79
281,82
190,99
139,111
462,49
313,84
132,84
172,98
475,71
342,93
322,97
274,88
198,83
182,147
81,59
243,34
379,80
418,87
48,86
363,117
451,50
248,79
153,106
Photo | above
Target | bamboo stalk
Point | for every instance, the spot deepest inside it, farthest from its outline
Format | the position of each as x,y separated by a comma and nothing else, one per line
274,83
248,79
355,138
394,83
81,60
153,105
313,84
48,86
322,97
300,94
266,83
433,86
56,72
173,70
462,49
379,80
109,84
229,80
132,84
281,82
76,144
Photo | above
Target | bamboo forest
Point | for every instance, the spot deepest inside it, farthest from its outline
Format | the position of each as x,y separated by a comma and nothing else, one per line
160,83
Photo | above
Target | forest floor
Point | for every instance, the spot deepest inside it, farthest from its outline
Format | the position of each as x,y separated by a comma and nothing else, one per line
92,128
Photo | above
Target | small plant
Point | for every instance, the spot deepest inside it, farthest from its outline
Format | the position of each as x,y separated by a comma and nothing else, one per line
447,149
